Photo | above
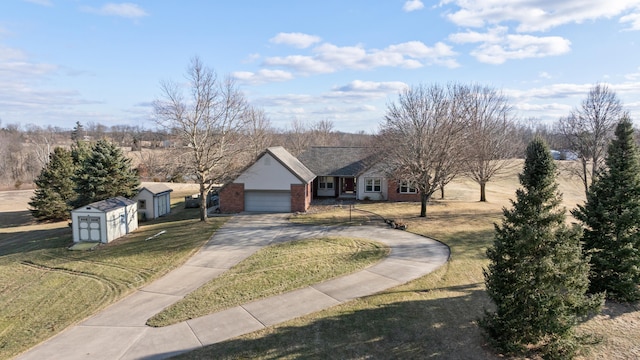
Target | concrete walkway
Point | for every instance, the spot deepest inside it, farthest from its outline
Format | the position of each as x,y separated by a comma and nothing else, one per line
119,332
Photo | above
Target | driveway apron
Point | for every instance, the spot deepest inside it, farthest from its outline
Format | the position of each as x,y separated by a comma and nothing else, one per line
120,332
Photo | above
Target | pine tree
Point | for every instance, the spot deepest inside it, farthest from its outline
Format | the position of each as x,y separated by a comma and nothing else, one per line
54,188
105,173
78,132
537,276
611,216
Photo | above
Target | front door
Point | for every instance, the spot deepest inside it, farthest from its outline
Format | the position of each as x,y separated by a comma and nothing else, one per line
348,185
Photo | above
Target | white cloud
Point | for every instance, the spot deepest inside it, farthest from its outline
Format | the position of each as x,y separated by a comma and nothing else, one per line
301,63
262,76
633,19
633,76
328,58
412,5
544,75
287,100
126,10
372,87
554,91
537,15
359,91
497,46
298,40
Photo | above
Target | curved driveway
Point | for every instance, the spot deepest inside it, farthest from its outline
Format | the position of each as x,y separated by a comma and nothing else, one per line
119,332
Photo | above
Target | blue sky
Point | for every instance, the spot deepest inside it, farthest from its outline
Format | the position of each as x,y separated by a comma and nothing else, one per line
63,61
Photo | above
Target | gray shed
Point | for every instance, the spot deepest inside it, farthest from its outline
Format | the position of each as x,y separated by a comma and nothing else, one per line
154,200
104,221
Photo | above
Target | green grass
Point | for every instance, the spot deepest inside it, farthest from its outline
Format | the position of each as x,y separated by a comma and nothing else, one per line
275,270
45,288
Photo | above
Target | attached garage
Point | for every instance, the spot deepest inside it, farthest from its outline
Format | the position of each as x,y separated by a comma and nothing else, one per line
275,182
267,201
104,221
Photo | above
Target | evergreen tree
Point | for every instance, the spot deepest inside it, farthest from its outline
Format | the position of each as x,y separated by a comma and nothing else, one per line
611,216
537,276
105,173
55,189
78,132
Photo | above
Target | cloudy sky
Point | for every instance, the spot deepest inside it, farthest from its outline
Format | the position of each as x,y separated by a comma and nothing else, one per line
63,61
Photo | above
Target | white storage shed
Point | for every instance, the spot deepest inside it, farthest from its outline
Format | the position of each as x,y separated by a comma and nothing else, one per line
154,200
104,221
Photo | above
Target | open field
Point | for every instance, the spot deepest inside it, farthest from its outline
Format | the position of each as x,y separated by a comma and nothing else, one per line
434,316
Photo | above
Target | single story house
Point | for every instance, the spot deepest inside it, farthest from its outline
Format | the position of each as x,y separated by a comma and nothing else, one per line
154,200
279,182
275,182
356,173
104,221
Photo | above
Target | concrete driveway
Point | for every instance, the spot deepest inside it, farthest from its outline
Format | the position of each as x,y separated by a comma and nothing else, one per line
119,332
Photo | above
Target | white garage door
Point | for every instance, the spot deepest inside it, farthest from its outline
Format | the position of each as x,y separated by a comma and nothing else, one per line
267,201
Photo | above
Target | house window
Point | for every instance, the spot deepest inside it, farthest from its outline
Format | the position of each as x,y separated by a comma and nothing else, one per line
326,182
406,187
372,185
142,204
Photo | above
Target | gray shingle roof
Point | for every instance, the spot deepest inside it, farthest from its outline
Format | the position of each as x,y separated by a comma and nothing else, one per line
156,189
292,163
111,203
337,160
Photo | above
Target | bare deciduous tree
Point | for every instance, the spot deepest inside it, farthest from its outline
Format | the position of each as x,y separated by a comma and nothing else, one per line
298,137
259,130
423,137
490,141
210,122
589,128
321,132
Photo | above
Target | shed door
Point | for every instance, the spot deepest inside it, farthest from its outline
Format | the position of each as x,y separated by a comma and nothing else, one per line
267,201
89,227
162,205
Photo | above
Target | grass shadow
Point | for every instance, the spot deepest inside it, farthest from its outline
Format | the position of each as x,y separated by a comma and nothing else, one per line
12,219
417,328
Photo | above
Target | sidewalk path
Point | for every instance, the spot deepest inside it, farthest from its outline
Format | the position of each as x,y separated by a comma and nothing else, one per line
119,332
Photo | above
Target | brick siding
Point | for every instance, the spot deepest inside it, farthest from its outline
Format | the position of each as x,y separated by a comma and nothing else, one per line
232,198
394,195
300,197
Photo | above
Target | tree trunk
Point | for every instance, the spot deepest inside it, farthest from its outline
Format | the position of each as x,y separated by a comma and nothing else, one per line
584,176
483,193
442,192
203,203
423,204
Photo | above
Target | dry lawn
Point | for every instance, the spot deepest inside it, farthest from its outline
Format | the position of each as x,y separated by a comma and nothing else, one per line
434,316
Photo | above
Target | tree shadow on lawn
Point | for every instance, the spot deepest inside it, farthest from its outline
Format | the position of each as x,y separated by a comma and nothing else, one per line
25,241
423,328
9,219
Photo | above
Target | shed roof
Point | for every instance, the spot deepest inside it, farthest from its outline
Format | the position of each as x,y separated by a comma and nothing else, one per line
337,160
156,188
291,163
111,203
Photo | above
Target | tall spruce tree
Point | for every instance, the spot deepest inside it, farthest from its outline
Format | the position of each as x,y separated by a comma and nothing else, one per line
611,217
55,188
104,173
537,276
